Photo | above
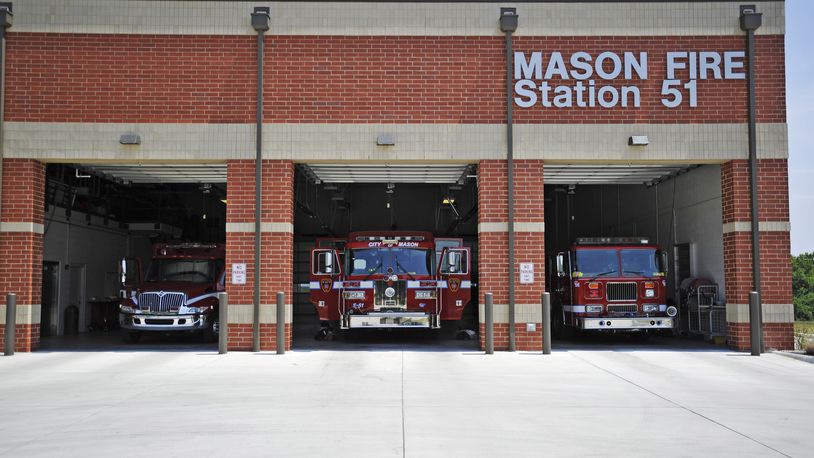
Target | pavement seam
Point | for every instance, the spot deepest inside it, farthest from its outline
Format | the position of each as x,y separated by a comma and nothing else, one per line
680,406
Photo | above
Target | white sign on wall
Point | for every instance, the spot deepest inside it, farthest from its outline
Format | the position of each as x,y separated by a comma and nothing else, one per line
526,272
238,274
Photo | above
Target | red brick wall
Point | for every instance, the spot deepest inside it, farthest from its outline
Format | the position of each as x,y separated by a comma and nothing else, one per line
276,247
524,340
776,336
21,252
775,246
343,79
493,246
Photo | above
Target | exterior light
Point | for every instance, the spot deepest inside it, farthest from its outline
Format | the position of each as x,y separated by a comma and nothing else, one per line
260,18
638,140
448,201
508,19
751,20
130,139
385,139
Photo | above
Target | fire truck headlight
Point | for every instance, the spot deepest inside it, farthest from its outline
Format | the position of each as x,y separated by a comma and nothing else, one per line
127,309
650,308
650,293
354,295
593,308
425,294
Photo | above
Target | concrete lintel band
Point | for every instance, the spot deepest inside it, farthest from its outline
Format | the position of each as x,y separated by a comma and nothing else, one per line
26,314
523,313
35,228
688,143
772,313
518,227
391,18
244,313
763,226
264,227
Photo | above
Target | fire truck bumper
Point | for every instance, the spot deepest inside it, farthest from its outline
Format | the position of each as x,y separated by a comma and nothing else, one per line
165,323
390,320
611,323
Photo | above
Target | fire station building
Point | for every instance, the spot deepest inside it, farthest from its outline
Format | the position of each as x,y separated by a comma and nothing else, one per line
126,122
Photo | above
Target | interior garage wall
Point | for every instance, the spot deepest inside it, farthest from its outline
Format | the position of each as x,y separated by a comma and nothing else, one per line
689,211
96,246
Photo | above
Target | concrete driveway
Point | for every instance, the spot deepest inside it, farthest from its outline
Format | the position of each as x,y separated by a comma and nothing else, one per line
583,400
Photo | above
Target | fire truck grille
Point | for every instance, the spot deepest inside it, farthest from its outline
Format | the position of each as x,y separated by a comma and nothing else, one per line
161,302
621,291
622,308
382,301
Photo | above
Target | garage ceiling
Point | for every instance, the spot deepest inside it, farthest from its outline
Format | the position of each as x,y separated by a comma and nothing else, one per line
161,173
387,173
611,173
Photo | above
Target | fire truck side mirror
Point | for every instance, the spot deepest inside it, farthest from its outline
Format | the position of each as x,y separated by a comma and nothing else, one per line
324,263
664,266
123,271
560,265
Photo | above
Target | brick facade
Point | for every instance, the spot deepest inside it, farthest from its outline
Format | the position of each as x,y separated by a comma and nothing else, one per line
21,246
276,245
775,246
529,246
55,77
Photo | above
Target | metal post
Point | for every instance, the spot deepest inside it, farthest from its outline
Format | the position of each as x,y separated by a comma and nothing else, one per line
754,322
280,323
546,323
488,309
223,320
11,323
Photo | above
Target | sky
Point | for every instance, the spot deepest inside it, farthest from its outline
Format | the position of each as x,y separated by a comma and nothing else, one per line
800,106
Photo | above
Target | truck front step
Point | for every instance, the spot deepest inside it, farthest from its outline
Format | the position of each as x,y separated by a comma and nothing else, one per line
390,320
612,323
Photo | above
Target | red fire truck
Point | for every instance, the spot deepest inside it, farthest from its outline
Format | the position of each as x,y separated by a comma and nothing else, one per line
390,280
179,292
611,284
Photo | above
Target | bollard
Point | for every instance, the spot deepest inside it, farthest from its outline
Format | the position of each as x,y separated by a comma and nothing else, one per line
11,323
223,320
280,323
488,309
755,336
546,323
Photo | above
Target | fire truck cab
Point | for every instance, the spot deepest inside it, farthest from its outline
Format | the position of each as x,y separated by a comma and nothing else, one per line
390,279
611,284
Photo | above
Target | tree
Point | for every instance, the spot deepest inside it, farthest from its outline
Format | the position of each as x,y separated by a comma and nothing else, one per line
802,284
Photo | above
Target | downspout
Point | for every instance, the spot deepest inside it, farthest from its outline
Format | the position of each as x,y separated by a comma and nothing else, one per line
750,21
508,24
260,23
6,19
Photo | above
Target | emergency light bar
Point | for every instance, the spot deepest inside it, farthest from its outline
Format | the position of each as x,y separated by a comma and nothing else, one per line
417,238
611,241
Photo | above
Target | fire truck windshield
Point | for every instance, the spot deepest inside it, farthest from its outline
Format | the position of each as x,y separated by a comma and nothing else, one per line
636,262
186,270
411,261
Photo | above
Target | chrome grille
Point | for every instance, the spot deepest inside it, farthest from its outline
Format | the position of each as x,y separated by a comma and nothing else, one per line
398,301
622,308
621,291
161,302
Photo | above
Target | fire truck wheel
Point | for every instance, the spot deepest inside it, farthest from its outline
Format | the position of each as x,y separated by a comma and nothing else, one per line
131,337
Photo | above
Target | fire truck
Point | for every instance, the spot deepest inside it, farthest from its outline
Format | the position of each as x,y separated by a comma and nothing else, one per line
393,279
611,284
178,293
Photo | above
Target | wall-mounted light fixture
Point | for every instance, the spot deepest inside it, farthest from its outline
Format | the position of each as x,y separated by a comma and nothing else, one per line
130,139
385,139
638,140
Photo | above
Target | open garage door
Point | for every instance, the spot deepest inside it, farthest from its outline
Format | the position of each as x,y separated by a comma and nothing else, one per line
674,209
167,220
432,207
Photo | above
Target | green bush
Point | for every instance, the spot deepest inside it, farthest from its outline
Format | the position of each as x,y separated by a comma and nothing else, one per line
802,281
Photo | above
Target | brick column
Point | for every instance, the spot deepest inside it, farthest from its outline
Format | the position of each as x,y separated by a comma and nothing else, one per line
277,241
21,238
529,247
775,252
